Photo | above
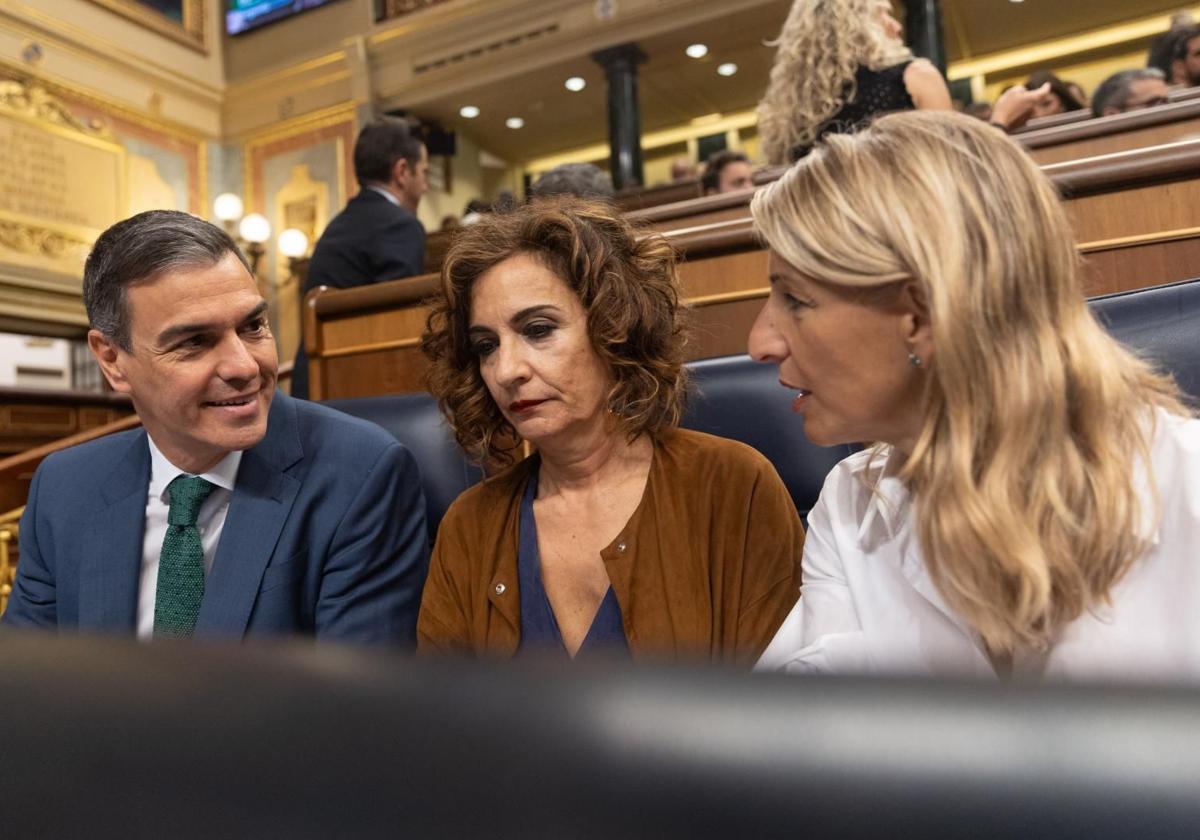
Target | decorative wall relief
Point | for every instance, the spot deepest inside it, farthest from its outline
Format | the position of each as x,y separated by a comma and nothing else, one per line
62,181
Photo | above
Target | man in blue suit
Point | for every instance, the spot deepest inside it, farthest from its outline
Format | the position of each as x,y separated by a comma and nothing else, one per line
235,511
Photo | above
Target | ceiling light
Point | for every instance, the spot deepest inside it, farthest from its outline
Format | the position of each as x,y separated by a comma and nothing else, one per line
727,69
469,112
576,84
697,51
515,122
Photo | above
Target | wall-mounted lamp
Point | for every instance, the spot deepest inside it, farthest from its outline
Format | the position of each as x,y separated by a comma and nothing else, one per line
253,232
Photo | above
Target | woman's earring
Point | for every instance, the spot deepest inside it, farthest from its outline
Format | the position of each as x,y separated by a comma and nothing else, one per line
914,359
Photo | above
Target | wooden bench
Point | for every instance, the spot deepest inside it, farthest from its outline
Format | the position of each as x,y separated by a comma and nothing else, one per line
1132,213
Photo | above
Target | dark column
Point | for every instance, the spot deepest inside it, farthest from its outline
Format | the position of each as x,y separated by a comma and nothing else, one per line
624,117
923,26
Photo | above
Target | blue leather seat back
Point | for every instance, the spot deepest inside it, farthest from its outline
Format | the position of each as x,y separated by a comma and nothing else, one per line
414,420
735,397
1161,324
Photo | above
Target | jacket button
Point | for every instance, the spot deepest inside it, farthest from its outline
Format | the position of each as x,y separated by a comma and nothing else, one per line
500,587
621,547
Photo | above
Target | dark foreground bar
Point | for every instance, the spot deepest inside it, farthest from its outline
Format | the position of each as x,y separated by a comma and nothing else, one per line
111,739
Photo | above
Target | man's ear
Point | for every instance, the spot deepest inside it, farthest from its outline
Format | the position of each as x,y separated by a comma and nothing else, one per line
401,170
108,356
915,324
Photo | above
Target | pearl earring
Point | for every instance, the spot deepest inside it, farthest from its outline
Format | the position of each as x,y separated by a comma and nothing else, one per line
914,359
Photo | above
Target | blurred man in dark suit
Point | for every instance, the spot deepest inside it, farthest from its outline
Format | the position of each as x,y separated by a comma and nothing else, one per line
377,237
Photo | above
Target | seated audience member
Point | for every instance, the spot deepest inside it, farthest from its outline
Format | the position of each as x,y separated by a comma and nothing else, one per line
234,511
1187,56
1129,90
475,210
1032,505
837,64
727,171
682,169
582,180
1076,90
1057,100
1163,49
377,236
556,324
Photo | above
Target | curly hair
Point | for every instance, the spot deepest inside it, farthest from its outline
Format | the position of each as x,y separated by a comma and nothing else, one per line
1036,421
628,285
821,47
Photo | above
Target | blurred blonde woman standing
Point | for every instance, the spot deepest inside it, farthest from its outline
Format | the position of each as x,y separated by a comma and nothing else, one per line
1033,506
838,63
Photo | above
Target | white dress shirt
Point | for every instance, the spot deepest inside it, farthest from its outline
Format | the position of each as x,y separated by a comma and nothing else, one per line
210,521
386,193
868,605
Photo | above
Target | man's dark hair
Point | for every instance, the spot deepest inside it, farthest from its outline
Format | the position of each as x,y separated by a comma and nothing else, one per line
140,249
1115,89
1182,39
712,168
380,144
582,180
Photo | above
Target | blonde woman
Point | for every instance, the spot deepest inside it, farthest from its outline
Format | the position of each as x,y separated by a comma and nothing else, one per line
1033,506
841,62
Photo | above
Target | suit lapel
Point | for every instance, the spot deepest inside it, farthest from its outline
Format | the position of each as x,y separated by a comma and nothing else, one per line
111,545
262,499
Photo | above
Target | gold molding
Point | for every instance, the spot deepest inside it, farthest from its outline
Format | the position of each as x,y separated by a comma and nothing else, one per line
42,242
190,33
374,347
34,102
270,77
727,297
315,121
99,101
1139,239
69,39
1057,49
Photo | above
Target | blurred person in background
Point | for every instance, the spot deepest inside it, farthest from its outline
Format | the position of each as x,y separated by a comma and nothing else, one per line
1130,90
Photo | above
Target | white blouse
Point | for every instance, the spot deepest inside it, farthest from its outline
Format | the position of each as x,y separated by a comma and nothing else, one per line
868,605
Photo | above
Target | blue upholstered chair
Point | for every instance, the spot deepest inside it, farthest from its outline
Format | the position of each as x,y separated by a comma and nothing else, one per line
1161,324
740,399
735,397
414,420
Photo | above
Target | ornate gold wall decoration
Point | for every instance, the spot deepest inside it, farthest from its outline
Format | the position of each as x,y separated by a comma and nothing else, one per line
37,241
186,26
30,100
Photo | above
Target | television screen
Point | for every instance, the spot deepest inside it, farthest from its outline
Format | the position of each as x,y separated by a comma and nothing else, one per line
242,15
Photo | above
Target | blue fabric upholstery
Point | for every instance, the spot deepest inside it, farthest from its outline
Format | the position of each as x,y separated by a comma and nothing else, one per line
740,399
414,420
1161,324
735,397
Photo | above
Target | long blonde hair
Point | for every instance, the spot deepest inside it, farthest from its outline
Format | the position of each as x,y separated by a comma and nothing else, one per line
1034,418
821,47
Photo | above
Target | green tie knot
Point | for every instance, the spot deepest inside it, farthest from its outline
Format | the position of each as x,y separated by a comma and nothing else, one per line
188,492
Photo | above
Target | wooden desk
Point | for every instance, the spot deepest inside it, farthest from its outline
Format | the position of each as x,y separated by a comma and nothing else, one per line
1118,133
1133,214
32,417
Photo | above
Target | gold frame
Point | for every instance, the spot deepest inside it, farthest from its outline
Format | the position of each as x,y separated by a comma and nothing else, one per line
190,33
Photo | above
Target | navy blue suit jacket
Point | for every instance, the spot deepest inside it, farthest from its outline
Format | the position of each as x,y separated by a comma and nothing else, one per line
370,241
325,535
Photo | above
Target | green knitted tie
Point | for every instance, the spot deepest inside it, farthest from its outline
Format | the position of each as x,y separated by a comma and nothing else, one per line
181,563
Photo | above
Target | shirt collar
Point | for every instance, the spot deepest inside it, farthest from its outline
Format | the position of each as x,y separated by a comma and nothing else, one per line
384,192
162,472
888,507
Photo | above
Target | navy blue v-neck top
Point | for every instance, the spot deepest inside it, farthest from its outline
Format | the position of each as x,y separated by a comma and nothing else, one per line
539,627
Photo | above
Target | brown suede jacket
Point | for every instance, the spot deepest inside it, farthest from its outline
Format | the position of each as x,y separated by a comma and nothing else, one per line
706,569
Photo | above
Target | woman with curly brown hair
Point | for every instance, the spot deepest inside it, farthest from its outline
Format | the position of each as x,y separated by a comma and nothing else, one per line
557,324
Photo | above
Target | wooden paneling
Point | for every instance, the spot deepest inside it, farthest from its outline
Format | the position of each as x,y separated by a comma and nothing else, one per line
30,418
397,371
1129,267
1117,133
